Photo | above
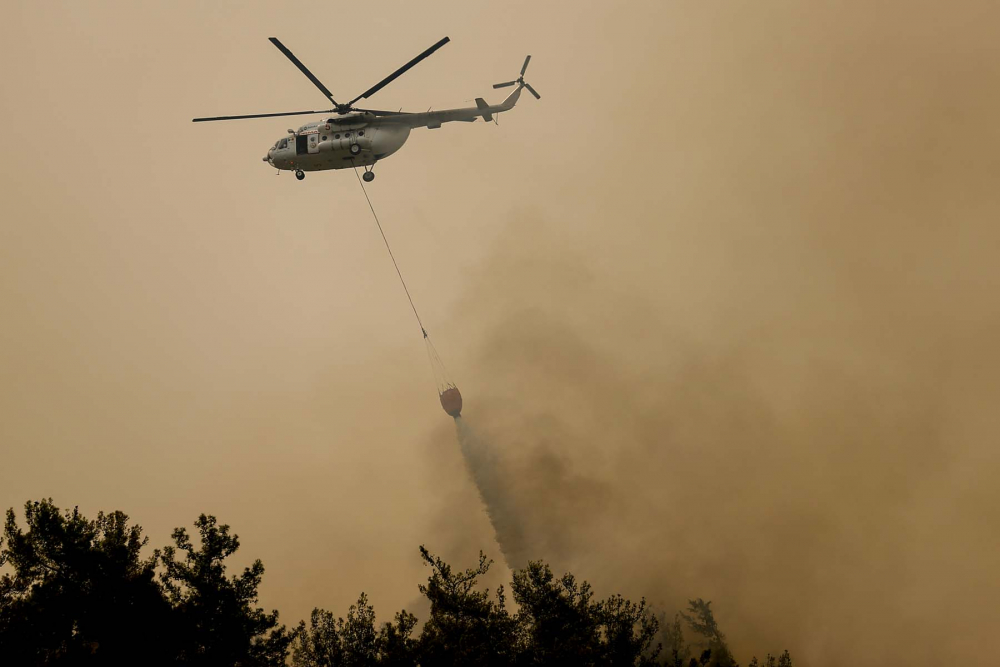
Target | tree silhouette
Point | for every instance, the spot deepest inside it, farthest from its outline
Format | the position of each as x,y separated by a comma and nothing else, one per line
559,615
214,615
330,642
628,630
466,625
702,623
80,592
784,660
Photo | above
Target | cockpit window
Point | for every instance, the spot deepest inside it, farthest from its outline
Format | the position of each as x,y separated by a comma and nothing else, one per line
283,143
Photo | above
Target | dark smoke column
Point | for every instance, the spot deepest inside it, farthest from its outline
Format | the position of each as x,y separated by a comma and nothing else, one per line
487,473
490,477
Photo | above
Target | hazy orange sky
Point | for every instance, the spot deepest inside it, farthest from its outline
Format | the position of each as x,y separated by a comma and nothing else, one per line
725,299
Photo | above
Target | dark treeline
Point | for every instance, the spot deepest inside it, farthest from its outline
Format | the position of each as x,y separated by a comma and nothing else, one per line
80,592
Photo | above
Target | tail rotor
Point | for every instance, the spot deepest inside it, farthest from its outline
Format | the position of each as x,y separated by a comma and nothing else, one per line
519,81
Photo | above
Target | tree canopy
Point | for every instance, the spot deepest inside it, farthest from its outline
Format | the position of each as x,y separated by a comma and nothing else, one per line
81,592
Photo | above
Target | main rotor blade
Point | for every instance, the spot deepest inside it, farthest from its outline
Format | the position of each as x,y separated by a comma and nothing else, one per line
261,115
504,85
389,79
532,91
303,69
525,65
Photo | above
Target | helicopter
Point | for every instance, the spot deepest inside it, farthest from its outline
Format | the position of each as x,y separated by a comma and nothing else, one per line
354,137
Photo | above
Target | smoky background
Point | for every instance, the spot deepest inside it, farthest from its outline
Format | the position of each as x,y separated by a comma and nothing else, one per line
723,302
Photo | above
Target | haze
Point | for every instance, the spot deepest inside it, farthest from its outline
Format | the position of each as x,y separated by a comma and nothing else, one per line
725,298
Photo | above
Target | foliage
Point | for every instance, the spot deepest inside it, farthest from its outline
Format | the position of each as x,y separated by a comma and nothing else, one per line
466,626
79,592
217,621
558,622
565,626
676,652
330,642
702,623
558,615
784,660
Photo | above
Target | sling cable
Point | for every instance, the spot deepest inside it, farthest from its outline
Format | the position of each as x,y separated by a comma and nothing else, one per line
451,398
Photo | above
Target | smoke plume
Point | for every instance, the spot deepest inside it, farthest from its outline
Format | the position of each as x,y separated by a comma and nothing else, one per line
816,488
764,371
494,485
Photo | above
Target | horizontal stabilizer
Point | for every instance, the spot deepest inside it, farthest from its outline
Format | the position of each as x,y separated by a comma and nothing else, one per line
485,108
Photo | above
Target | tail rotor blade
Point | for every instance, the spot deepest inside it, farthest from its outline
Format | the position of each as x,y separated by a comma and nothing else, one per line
525,65
532,91
504,85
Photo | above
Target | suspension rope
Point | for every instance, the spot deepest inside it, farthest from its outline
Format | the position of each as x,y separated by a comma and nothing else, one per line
391,256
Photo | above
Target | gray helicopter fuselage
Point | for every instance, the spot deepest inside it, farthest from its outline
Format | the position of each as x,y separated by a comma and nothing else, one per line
327,144
353,137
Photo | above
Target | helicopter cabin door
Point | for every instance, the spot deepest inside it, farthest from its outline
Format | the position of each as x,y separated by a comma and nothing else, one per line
301,144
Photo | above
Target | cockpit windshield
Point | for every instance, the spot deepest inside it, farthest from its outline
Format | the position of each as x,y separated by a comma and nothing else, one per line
283,143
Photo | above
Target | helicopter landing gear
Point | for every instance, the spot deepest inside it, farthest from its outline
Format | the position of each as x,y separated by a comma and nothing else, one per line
299,174
355,149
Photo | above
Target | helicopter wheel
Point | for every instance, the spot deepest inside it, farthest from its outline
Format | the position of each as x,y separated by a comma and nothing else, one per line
368,176
299,174
355,149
